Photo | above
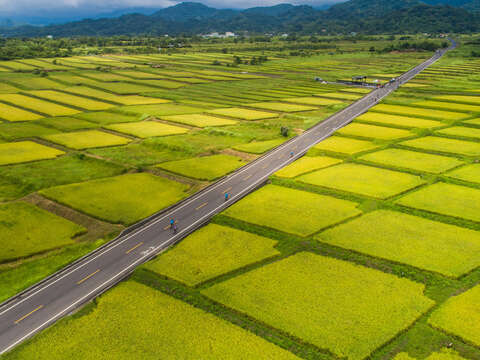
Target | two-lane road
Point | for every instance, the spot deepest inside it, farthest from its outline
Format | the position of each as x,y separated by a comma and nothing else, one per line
57,296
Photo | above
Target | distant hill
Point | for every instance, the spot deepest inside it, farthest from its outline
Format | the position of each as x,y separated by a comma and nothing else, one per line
364,16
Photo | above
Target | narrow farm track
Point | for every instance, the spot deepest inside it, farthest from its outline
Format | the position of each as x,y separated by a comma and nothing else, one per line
46,302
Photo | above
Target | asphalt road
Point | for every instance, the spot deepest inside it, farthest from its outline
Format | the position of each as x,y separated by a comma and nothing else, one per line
57,296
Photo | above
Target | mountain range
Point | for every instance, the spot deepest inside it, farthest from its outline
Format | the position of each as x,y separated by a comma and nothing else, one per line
362,16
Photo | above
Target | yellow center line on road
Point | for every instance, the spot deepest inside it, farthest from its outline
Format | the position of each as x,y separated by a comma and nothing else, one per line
295,147
87,277
264,166
247,177
133,248
198,208
27,315
227,190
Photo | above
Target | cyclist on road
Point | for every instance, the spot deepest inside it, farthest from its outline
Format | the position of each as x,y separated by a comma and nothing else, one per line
291,153
172,223
226,196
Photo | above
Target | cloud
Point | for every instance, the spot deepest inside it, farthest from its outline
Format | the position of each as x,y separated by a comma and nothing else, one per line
96,6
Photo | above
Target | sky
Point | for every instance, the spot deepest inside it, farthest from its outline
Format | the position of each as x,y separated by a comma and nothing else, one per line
44,7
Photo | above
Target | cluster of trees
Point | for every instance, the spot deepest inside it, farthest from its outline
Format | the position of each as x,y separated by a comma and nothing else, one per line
416,46
23,48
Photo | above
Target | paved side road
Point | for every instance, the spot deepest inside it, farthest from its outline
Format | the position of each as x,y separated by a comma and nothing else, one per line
42,305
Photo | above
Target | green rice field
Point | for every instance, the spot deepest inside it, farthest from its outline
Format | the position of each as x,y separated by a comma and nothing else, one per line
363,180
281,107
425,244
444,145
205,167
418,161
258,147
307,164
126,198
199,120
343,145
374,132
146,129
460,316
86,139
413,111
12,113
244,114
446,199
350,294
398,120
25,151
212,251
292,210
26,230
189,332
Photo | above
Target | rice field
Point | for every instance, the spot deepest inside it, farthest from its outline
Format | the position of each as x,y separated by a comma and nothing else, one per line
292,211
243,114
343,145
281,107
26,229
444,145
120,99
412,160
340,96
449,106
25,151
469,173
443,354
126,199
186,332
161,109
424,244
423,113
374,132
363,180
258,147
350,294
446,199
199,120
12,113
398,120
66,123
146,129
461,132
475,100
205,167
460,316
316,101
23,130
306,164
105,117
210,252
73,100
123,88
86,139
41,106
